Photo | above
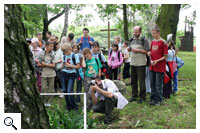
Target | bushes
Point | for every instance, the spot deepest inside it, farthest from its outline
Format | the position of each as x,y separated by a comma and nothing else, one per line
60,119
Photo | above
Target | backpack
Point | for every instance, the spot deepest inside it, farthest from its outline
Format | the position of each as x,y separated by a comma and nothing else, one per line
88,38
110,53
148,58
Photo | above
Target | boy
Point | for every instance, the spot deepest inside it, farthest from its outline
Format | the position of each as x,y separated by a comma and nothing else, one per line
71,62
85,41
46,61
92,67
158,53
96,53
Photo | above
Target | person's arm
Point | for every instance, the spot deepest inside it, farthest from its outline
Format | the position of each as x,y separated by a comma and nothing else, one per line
121,60
99,72
161,59
48,65
94,98
103,57
180,62
104,93
83,62
77,66
126,56
59,61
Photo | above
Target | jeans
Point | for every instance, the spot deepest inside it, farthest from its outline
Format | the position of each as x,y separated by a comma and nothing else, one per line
175,81
147,80
78,89
156,86
138,74
67,83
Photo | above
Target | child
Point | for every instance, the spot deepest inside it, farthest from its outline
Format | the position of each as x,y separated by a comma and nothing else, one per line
126,71
180,63
58,61
36,50
80,75
46,61
96,53
71,62
92,67
115,59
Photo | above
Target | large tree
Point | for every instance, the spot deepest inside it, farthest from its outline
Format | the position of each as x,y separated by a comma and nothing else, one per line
20,92
168,19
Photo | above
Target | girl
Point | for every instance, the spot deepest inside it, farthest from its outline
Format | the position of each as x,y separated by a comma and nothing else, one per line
126,71
115,59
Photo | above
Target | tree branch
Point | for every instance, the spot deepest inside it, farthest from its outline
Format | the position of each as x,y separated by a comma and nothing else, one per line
57,16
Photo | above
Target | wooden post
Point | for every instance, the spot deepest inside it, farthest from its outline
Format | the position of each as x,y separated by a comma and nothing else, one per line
108,33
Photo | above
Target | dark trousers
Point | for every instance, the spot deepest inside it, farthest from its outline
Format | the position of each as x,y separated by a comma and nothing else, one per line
156,86
57,83
105,107
78,89
138,74
115,72
126,71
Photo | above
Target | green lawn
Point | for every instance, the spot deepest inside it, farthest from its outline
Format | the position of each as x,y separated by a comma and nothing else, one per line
178,112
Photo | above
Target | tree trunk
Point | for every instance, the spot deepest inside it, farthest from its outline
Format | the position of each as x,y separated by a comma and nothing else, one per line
125,22
168,20
20,92
47,22
64,33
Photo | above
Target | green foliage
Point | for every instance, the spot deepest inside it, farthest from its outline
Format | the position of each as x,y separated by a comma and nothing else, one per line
62,119
179,34
32,16
178,112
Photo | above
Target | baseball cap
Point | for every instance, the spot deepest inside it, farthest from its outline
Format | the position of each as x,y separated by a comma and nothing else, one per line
34,40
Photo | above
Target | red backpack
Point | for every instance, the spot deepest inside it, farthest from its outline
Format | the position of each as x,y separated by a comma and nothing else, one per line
88,38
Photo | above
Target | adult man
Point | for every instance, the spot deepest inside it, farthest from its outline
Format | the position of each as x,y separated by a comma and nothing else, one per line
158,53
110,97
69,39
85,41
41,42
138,49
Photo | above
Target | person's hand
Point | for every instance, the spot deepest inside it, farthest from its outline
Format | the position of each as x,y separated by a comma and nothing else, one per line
154,62
149,53
80,42
36,60
129,49
135,50
68,65
90,42
93,88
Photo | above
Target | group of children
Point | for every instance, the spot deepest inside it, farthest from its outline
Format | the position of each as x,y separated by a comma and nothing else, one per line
59,65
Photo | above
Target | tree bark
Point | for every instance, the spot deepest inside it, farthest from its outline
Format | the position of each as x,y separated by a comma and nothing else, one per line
168,20
125,22
47,22
64,33
20,92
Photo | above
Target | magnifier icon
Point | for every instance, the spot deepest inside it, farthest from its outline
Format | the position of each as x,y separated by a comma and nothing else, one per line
8,121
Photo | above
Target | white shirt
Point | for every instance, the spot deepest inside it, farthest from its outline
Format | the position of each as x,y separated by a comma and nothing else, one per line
58,55
113,57
111,87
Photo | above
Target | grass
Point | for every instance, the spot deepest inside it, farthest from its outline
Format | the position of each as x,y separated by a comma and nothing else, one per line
178,112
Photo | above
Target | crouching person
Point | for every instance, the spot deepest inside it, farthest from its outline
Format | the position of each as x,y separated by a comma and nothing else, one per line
106,96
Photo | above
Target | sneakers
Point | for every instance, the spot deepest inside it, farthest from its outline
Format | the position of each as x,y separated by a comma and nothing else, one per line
47,105
107,122
155,103
140,101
